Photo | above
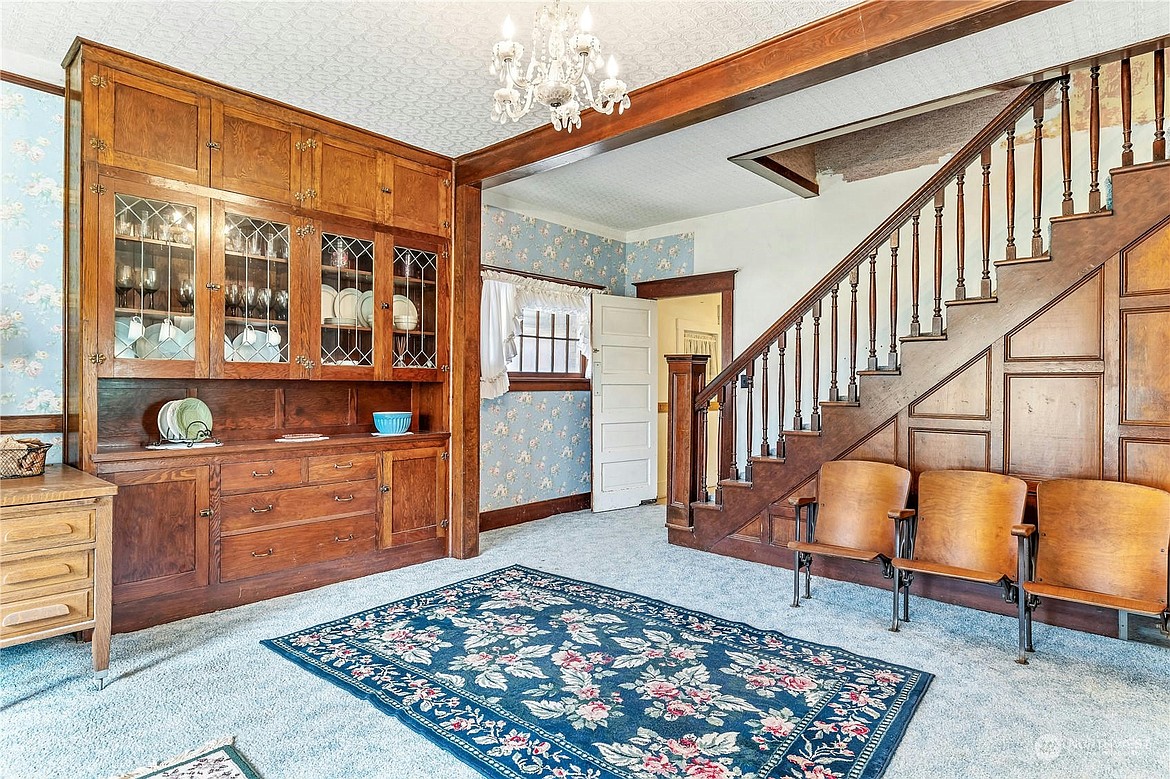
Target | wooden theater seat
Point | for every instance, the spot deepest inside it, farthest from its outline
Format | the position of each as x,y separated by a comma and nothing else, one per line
1101,543
847,518
961,530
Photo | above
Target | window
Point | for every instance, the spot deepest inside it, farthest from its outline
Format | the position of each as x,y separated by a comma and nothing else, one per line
548,352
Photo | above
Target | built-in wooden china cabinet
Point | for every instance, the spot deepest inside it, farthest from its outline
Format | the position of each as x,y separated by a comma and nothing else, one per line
231,248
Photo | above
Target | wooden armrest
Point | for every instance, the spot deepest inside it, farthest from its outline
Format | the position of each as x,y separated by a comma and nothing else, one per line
1023,531
901,514
804,500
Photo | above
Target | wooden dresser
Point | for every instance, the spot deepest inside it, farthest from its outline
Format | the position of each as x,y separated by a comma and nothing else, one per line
55,533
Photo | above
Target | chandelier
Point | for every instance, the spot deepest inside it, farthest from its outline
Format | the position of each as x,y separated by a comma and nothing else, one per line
565,54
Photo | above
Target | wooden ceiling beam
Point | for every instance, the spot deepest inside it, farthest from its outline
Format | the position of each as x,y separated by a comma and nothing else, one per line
862,36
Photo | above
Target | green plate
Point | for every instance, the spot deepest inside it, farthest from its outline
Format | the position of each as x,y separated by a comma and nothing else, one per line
193,417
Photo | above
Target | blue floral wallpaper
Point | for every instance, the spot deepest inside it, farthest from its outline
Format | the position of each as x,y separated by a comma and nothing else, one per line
31,171
537,446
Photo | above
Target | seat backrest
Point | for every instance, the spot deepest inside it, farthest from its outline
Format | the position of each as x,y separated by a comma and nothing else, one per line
966,517
1103,536
853,498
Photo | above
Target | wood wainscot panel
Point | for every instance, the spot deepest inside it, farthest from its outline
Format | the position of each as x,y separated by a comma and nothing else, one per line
1146,461
881,446
529,512
753,531
1069,328
1053,425
965,394
1145,266
937,450
1145,383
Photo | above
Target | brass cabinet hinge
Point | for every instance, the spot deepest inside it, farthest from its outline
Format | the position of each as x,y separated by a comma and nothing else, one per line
99,81
298,196
207,513
97,143
385,190
445,369
444,255
305,145
97,189
445,456
446,182
97,358
445,523
310,193
213,146
304,230
212,285
446,224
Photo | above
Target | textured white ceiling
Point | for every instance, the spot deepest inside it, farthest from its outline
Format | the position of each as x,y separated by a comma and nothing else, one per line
686,174
416,71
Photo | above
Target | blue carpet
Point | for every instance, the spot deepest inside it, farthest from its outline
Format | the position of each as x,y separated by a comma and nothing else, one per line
521,674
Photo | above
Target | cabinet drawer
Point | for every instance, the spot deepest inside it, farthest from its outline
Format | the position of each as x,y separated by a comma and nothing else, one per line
46,570
23,617
46,531
263,475
265,551
278,507
342,467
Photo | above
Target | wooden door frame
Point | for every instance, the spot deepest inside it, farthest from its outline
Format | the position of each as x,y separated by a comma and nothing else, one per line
722,282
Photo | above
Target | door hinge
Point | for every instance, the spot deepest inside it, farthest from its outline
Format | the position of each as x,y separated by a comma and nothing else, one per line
213,145
446,224
97,358
304,230
445,523
445,456
310,193
97,143
97,189
446,182
306,145
99,81
445,369
207,512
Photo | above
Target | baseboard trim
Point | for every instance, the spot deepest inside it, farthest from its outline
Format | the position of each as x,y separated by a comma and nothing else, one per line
529,512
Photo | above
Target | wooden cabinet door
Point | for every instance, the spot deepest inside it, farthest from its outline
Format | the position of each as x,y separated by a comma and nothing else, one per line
345,268
414,496
419,197
161,533
418,307
254,154
344,179
153,128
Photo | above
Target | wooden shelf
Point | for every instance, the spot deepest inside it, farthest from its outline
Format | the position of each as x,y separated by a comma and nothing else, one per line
251,447
407,280
155,312
254,321
153,242
353,328
346,272
258,257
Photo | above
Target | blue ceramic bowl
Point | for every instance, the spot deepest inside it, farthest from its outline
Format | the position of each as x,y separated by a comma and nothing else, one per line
392,421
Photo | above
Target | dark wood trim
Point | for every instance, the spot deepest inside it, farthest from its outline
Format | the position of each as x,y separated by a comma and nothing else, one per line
864,35
465,399
33,423
780,174
547,383
722,282
553,279
31,83
515,515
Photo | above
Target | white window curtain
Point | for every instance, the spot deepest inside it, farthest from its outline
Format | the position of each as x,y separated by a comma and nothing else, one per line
505,297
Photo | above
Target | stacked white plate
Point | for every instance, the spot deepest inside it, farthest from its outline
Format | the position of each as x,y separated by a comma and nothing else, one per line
365,310
348,306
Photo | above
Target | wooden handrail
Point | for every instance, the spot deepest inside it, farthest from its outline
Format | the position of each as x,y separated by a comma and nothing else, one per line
1006,118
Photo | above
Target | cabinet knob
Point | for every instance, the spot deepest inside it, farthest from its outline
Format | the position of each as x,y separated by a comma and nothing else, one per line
446,224
383,489
385,306
445,523
213,145
207,513
213,285
385,190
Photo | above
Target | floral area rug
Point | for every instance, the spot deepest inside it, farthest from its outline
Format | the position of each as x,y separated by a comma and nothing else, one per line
214,760
525,674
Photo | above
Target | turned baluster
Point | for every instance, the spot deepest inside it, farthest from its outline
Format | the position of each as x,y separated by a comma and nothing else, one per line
722,446
733,442
1010,249
1037,175
781,342
985,279
1066,204
834,392
815,412
960,238
1159,104
764,405
1126,115
701,474
851,391
748,382
915,323
797,417
936,323
893,360
1094,138
872,363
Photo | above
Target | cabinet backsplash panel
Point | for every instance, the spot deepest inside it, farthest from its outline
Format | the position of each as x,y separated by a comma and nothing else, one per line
251,411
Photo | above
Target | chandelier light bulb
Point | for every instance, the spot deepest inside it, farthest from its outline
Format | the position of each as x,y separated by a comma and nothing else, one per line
611,67
586,20
509,29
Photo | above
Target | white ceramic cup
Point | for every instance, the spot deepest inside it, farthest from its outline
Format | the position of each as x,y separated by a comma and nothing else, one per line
273,336
249,335
135,329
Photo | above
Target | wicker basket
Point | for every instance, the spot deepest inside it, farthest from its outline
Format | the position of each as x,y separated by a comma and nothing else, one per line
18,463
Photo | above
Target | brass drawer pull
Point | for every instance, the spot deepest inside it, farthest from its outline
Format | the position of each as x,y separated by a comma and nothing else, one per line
36,615
263,554
264,510
339,540
340,499
340,467
258,475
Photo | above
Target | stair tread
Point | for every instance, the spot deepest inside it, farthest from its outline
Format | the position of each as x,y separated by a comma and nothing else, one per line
759,458
913,338
881,372
1085,215
840,403
1152,165
972,301
1023,261
737,483
699,504
802,432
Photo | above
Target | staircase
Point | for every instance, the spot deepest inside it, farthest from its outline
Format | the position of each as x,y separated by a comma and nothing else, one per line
965,268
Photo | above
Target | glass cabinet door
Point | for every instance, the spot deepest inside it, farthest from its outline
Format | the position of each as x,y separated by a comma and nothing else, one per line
154,264
347,326
416,313
257,299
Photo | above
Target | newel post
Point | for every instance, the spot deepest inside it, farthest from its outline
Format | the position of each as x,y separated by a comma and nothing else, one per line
685,471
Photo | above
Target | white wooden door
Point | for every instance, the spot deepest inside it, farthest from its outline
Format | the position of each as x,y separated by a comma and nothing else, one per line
625,401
